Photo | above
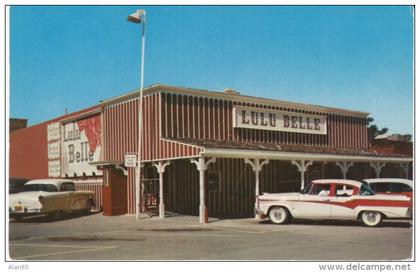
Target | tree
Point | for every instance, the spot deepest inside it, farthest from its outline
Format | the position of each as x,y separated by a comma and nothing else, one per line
373,129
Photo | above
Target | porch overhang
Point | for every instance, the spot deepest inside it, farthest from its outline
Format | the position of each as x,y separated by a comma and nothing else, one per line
283,155
290,152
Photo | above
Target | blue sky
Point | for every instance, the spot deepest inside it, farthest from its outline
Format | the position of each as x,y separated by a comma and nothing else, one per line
352,57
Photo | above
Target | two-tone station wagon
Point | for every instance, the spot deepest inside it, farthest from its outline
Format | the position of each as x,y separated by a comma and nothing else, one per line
334,199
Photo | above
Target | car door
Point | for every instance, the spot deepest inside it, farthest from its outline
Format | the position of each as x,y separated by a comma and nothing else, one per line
315,204
342,203
73,201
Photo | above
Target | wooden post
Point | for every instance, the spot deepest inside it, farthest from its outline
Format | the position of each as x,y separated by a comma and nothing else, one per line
344,167
256,165
160,166
202,167
377,166
302,168
405,167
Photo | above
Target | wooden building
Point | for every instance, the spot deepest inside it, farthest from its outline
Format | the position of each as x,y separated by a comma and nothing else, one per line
203,152
210,153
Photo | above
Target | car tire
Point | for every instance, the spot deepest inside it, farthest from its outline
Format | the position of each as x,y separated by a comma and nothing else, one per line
56,215
371,218
278,215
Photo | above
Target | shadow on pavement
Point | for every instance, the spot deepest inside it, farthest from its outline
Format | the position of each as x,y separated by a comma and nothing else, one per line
48,219
388,224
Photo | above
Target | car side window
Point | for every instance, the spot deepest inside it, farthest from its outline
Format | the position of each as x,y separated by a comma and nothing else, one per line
40,187
320,189
344,190
381,187
400,188
67,187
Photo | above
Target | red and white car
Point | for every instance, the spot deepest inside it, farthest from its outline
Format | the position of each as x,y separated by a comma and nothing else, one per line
334,199
391,186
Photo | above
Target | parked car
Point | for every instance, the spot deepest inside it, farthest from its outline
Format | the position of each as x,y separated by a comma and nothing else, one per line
16,185
334,199
391,186
49,197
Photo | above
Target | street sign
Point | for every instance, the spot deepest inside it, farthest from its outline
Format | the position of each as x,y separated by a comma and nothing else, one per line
130,160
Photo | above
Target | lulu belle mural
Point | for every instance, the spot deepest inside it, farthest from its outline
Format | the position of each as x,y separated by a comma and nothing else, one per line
81,145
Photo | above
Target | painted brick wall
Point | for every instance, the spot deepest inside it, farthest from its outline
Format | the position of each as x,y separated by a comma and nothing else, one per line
28,156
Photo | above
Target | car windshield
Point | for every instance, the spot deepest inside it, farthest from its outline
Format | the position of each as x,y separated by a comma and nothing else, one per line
366,190
306,189
40,187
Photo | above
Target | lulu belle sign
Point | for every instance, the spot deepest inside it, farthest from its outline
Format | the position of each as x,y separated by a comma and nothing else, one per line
81,143
254,118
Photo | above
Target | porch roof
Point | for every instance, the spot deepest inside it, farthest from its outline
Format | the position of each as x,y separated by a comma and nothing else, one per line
233,149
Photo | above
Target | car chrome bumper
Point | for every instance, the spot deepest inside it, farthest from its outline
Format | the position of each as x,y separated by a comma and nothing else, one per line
24,211
259,213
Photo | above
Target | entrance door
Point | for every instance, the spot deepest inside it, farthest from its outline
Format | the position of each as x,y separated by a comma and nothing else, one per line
151,194
114,192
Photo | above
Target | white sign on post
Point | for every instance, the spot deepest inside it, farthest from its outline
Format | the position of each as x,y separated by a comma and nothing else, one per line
130,160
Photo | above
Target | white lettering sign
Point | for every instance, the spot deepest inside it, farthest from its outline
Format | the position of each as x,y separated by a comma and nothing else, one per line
54,150
254,118
53,132
54,169
130,160
53,145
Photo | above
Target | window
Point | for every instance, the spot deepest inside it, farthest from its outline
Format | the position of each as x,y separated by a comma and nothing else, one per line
366,190
67,187
320,189
400,188
343,190
381,187
213,182
40,187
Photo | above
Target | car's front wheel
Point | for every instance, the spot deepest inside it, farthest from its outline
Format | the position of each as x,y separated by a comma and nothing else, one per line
278,215
371,218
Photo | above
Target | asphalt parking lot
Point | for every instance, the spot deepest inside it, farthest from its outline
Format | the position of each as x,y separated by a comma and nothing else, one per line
98,237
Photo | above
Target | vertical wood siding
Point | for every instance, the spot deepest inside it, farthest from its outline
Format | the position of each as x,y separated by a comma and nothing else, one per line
208,118
235,197
121,128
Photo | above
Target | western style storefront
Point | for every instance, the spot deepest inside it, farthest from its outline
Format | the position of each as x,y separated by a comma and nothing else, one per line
210,153
60,148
